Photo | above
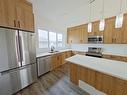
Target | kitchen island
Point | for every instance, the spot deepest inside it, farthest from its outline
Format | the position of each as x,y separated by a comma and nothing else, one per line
105,75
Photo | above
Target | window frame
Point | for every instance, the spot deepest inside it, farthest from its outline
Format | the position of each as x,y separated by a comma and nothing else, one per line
49,40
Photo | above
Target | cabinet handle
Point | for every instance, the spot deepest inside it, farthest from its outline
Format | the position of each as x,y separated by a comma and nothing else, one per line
80,41
113,40
14,23
57,58
19,24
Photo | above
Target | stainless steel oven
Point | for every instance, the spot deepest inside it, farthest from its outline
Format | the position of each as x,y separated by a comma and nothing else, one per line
95,39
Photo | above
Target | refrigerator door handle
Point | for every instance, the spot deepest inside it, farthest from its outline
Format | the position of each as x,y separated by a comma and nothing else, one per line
17,48
21,48
8,71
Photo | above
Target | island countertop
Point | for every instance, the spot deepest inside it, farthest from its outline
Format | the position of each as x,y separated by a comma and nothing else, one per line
110,67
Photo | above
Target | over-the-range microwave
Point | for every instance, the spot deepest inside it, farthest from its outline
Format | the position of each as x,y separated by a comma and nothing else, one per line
95,39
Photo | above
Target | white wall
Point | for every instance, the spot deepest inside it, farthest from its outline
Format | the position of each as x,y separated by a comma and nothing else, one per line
117,49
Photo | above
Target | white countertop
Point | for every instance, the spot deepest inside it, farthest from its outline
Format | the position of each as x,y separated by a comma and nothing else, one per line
111,67
117,54
48,54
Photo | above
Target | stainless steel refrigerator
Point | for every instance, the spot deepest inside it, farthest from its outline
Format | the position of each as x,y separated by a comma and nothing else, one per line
17,60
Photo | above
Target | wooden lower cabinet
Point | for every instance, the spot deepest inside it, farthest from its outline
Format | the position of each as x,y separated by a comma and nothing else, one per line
59,59
115,57
74,73
56,61
103,82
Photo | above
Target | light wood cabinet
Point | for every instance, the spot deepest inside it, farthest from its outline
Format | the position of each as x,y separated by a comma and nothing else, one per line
95,29
65,55
3,13
28,16
108,33
25,17
74,73
113,35
103,82
17,14
56,60
59,59
115,57
124,34
77,35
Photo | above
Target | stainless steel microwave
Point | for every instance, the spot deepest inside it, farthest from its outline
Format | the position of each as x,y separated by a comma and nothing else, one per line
95,39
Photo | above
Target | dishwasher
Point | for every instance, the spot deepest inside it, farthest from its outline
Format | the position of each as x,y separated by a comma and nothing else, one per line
44,65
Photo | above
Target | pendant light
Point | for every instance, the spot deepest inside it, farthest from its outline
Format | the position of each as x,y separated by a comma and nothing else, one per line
119,17
102,21
90,24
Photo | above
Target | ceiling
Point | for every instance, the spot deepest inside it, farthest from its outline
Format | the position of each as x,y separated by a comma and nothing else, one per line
74,12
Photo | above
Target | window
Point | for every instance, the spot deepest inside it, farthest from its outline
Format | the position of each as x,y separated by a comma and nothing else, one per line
52,39
119,21
59,40
43,38
49,38
90,27
102,25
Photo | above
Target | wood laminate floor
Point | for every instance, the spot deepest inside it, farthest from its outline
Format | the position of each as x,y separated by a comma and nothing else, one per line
54,83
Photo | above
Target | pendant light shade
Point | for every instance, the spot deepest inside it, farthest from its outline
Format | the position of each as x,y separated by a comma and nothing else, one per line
119,21
90,27
90,24
102,25
102,21
119,17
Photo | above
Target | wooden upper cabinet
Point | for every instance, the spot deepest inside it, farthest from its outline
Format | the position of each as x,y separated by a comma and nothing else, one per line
3,13
11,13
108,33
124,33
16,14
77,35
84,34
25,15
113,35
95,29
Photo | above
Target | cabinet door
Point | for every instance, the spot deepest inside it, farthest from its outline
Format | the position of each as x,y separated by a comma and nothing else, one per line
12,22
3,13
96,30
74,73
75,35
69,36
124,38
108,32
54,62
84,34
20,14
63,57
25,17
29,20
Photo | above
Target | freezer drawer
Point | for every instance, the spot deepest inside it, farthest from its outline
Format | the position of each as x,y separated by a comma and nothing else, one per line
14,80
44,65
28,75
9,82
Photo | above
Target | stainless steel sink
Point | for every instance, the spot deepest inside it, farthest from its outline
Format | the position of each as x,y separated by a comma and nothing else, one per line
53,51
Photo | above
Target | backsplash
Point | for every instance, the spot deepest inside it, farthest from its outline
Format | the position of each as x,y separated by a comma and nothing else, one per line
120,49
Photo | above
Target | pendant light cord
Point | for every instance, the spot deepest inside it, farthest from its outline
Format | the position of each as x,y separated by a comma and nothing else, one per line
120,10
103,9
90,14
